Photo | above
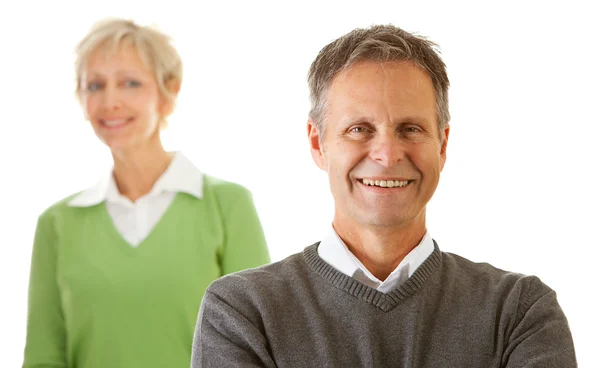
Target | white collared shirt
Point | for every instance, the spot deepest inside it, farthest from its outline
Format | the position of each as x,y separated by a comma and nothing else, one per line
333,251
135,220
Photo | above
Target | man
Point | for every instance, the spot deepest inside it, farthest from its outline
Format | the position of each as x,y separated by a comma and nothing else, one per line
378,292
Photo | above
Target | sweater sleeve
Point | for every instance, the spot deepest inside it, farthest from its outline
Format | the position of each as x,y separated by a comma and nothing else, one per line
542,337
244,241
45,341
224,337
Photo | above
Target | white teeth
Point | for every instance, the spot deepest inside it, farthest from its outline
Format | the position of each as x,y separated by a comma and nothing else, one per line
386,183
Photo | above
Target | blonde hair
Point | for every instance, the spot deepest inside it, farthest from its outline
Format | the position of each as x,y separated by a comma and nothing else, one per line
154,48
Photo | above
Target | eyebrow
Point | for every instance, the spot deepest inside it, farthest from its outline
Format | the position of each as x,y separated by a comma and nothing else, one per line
368,119
414,120
118,72
356,119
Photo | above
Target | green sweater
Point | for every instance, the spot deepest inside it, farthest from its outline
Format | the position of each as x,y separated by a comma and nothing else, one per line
451,313
96,301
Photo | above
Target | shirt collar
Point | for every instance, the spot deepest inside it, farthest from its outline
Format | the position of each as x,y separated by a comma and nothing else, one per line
335,252
180,176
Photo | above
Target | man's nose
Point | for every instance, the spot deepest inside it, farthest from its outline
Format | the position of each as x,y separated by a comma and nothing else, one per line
388,149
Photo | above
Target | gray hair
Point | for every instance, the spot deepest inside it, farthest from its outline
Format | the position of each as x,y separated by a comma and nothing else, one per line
381,43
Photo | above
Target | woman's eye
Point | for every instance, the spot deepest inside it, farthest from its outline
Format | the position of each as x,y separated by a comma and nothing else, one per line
93,86
132,83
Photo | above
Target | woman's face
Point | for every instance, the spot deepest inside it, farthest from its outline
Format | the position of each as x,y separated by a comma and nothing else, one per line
121,98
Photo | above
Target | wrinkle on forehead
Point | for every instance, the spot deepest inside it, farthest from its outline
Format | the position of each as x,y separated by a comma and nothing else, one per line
385,86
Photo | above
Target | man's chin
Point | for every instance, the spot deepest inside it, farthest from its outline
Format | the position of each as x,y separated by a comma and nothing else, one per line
384,220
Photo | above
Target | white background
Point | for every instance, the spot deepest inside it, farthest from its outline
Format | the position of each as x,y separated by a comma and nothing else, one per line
520,188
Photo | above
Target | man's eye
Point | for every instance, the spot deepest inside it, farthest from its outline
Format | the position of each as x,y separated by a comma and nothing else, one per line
411,129
358,130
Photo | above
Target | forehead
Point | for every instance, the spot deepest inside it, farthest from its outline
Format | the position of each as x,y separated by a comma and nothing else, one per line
108,58
390,87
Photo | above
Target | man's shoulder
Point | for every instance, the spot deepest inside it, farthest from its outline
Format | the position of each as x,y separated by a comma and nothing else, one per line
479,269
469,275
465,267
267,279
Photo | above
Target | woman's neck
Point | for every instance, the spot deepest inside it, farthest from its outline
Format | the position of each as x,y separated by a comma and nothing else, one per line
137,170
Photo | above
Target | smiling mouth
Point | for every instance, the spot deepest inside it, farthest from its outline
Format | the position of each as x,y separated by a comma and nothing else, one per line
385,183
115,123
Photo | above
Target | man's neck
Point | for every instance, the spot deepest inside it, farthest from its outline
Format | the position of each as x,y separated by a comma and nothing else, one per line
381,249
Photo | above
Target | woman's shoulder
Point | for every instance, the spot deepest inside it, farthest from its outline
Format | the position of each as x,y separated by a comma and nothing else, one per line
228,194
222,187
61,208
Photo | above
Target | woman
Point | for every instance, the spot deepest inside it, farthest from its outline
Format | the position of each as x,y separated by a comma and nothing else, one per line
118,271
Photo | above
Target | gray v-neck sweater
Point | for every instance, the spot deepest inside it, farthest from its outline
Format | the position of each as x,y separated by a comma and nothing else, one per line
301,312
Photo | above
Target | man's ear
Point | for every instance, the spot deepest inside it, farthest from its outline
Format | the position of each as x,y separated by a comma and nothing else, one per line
316,148
445,136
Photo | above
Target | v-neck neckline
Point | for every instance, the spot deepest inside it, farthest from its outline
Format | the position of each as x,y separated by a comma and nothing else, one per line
121,242
383,301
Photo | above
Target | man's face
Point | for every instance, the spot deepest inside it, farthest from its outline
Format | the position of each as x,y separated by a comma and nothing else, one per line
381,147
